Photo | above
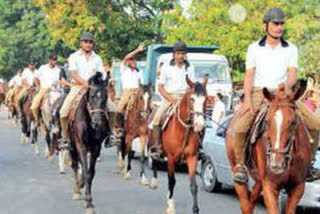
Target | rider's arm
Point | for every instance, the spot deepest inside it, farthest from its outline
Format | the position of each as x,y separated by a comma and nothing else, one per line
132,54
165,94
77,78
293,68
248,84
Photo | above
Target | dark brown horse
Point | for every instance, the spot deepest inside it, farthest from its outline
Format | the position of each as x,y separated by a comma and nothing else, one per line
136,125
27,117
181,139
87,130
280,157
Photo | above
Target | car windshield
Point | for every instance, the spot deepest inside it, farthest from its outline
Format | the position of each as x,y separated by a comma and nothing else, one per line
218,71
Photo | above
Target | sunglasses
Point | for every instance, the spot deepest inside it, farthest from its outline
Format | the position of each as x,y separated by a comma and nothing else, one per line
278,23
88,41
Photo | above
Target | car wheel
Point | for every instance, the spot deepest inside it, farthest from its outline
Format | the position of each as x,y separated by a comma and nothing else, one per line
209,177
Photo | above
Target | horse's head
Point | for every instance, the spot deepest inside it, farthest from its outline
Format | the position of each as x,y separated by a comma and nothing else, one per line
97,100
198,98
143,100
281,125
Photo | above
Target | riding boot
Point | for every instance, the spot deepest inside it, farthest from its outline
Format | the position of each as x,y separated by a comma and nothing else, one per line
240,174
156,150
314,173
119,120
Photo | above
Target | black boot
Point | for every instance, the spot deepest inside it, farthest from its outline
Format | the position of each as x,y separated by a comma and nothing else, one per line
313,173
156,150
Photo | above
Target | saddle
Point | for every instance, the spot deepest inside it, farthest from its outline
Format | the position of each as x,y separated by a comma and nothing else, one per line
76,103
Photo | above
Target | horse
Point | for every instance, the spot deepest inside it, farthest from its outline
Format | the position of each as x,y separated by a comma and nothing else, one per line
181,139
13,110
87,131
282,150
26,118
136,125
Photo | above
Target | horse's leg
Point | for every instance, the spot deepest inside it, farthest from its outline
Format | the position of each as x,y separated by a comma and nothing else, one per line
143,141
192,165
271,198
34,137
121,153
129,152
294,196
84,165
171,184
75,168
48,141
89,178
255,194
244,198
154,182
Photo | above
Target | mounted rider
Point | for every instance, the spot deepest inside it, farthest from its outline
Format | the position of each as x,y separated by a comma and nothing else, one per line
172,86
14,83
27,78
269,62
82,65
46,78
131,78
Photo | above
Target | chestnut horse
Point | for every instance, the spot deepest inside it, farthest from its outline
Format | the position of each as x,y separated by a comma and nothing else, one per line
27,117
87,130
13,110
181,139
280,157
136,126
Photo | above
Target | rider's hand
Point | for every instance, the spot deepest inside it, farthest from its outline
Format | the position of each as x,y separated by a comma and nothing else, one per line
246,106
173,101
140,47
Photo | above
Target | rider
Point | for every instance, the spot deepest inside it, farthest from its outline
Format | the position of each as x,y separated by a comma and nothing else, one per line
46,78
82,65
269,62
172,87
27,78
14,83
131,78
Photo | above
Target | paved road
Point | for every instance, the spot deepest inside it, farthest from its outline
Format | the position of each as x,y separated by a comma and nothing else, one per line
29,184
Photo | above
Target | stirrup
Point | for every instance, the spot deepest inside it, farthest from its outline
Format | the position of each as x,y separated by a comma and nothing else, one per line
313,174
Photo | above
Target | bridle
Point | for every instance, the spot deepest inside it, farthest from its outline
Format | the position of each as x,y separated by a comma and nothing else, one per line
290,141
91,109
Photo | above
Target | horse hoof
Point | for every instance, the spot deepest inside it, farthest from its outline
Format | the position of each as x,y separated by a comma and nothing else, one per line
171,208
62,172
76,196
127,176
144,181
154,184
90,210
120,165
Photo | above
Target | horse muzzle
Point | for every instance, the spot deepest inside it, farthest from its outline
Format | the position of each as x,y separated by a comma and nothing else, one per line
198,123
277,165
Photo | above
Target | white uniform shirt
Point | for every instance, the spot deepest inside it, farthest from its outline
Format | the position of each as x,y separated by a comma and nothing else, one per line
85,68
48,76
28,75
174,78
16,80
130,77
271,65
218,109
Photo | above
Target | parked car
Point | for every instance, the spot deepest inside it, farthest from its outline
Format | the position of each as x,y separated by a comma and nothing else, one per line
216,171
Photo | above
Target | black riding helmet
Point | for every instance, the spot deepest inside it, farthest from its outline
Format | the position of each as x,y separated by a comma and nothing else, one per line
274,15
179,46
86,36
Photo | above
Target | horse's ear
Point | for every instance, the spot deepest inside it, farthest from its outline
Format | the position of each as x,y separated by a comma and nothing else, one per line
189,82
267,94
301,90
205,80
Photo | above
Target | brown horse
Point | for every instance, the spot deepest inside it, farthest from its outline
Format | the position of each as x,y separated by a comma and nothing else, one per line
87,130
181,139
281,151
136,126
13,110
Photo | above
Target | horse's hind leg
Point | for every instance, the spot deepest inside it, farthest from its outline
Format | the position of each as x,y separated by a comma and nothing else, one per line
171,184
294,196
143,141
129,152
89,178
255,193
192,165
121,152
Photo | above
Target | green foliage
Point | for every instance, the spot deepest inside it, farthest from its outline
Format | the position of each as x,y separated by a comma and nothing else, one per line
208,22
